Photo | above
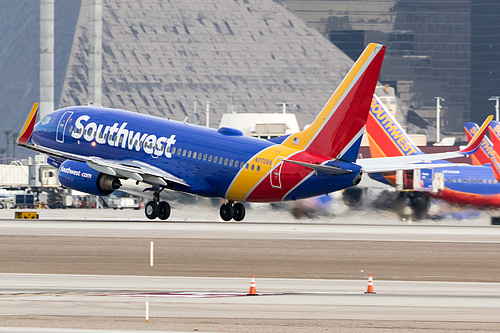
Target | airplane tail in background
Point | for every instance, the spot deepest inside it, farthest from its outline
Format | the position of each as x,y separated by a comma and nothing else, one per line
29,125
385,135
495,135
486,150
338,129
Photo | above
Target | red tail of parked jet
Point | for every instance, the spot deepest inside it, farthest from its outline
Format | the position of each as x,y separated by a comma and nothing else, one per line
486,150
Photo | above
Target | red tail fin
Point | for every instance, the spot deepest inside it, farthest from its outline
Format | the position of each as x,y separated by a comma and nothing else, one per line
29,125
486,150
496,168
495,135
337,130
385,134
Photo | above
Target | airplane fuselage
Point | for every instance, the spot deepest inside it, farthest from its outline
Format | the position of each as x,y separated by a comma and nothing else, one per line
215,163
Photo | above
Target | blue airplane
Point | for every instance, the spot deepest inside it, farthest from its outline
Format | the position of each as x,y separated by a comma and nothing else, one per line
96,148
463,185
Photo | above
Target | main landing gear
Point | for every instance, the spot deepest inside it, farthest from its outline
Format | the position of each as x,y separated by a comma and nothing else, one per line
231,210
156,208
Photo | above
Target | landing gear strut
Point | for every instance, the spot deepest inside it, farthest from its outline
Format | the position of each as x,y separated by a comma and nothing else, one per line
231,210
156,208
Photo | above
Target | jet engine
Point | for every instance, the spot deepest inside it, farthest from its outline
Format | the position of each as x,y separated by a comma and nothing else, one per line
79,176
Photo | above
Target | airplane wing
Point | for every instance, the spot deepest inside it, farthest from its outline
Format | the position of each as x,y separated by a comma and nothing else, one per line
132,169
423,161
135,170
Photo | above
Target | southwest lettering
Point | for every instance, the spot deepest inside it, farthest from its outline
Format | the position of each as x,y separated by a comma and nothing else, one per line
118,135
496,129
123,133
112,131
392,129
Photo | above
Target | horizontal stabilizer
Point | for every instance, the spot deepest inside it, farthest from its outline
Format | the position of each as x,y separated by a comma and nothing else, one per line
328,169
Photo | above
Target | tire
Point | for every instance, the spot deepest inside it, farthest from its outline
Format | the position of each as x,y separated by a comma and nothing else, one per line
226,212
239,212
164,210
152,210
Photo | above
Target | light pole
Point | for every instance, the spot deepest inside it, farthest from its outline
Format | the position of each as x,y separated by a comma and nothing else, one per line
207,110
497,104
438,117
285,104
195,115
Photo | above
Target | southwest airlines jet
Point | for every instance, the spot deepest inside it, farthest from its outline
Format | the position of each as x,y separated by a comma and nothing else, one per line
464,184
486,149
96,148
495,133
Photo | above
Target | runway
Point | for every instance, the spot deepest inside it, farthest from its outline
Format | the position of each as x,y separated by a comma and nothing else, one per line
300,299
69,273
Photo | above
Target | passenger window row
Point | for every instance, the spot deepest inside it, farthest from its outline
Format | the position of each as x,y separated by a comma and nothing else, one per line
180,152
212,158
470,181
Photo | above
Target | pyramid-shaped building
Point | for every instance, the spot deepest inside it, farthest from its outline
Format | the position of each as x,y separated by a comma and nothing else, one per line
159,57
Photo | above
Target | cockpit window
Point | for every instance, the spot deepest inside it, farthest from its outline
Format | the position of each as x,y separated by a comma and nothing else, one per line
45,120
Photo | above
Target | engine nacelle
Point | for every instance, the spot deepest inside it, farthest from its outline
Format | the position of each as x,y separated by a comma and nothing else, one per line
79,176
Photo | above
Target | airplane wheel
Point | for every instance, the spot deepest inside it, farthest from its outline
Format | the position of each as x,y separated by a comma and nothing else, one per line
226,212
152,210
239,212
164,210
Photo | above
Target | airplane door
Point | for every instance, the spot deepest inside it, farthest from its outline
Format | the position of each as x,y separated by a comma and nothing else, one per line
437,182
276,172
61,126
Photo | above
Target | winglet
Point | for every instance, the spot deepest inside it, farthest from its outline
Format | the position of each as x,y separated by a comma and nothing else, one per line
29,125
476,140
496,168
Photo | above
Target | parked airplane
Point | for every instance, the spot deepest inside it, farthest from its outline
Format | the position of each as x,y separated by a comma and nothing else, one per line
464,185
94,148
486,149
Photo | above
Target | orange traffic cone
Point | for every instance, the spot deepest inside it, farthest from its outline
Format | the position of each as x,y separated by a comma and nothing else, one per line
252,287
370,286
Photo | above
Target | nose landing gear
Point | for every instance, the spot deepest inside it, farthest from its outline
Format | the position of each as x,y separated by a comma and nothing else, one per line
156,208
231,210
